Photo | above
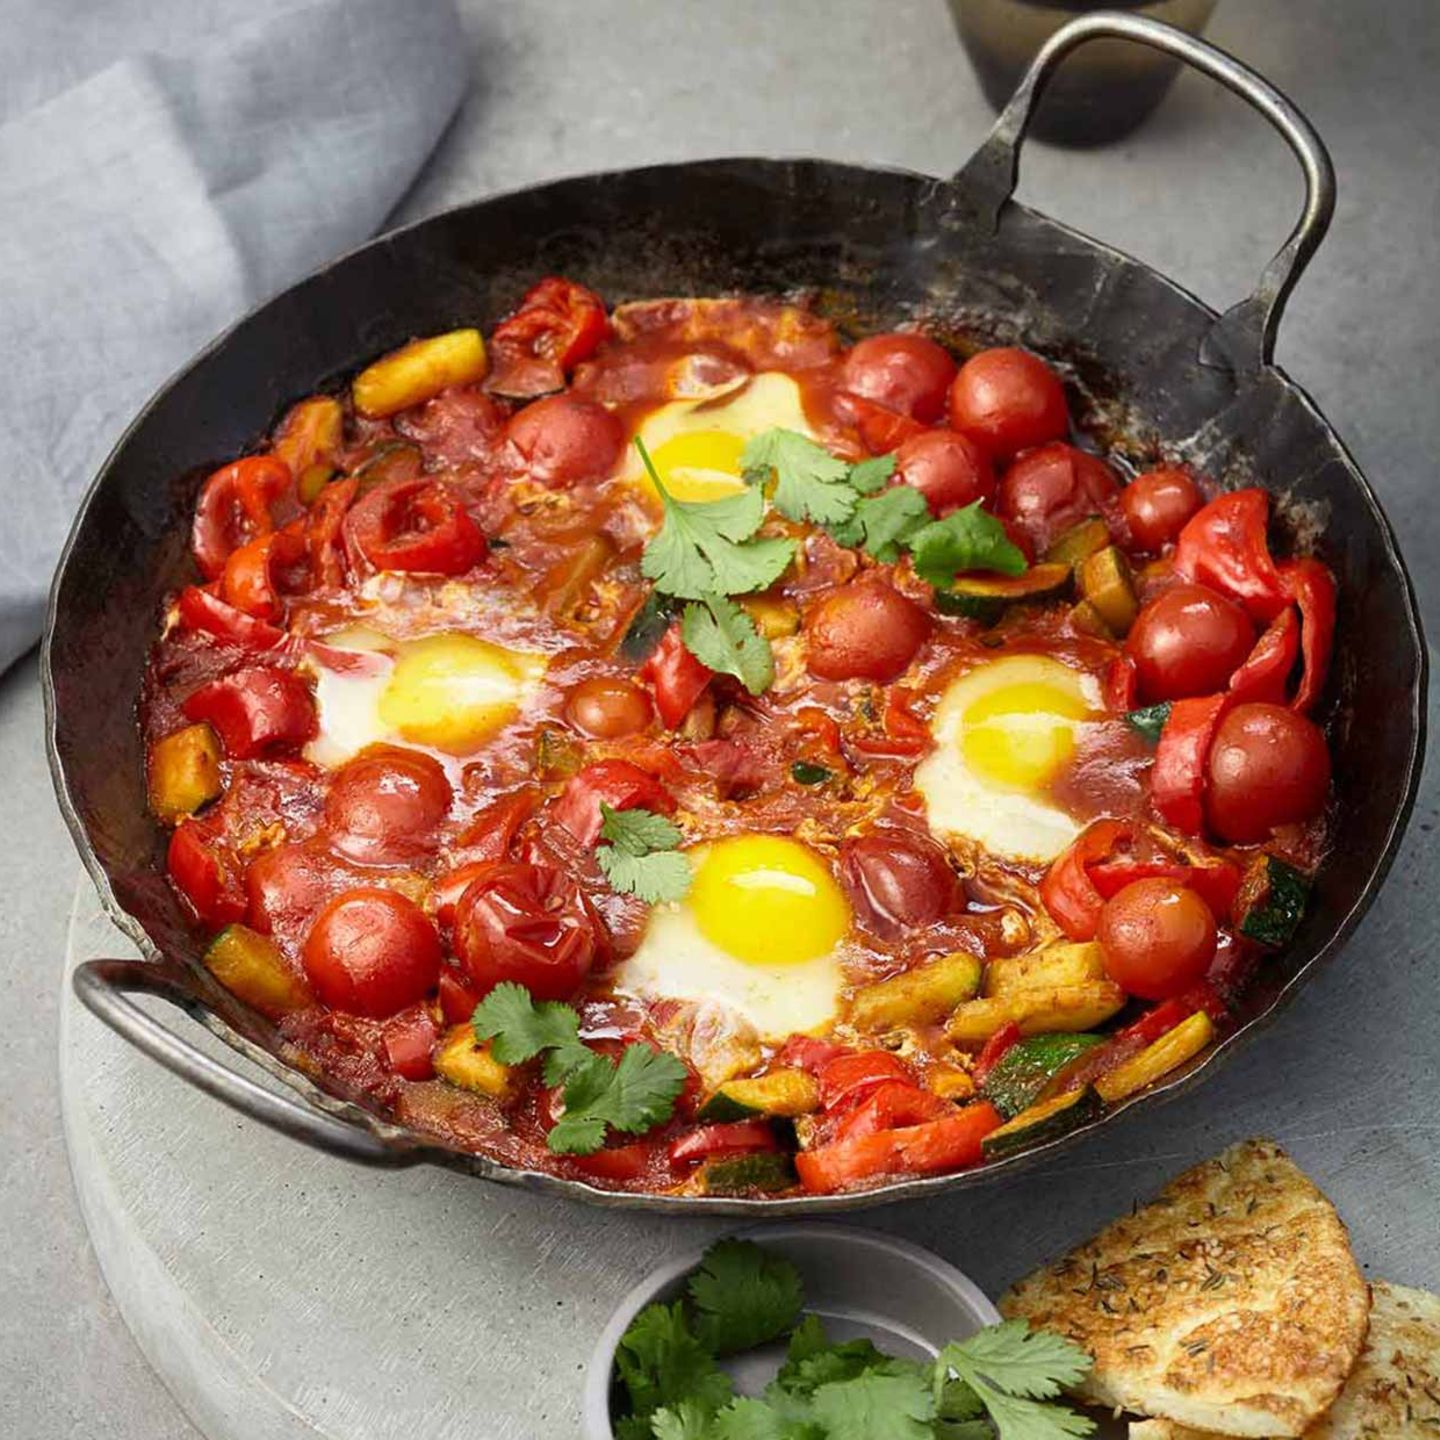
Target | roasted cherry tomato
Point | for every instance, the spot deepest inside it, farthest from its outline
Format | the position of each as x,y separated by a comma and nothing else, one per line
458,426
1157,504
606,707
898,880
239,503
200,610
947,468
677,677
458,998
409,1040
906,373
1268,766
491,832
372,952
413,525
1188,641
385,805
285,886
256,710
867,631
558,325
527,923
1158,938
616,783
1049,490
1008,400
206,874
565,439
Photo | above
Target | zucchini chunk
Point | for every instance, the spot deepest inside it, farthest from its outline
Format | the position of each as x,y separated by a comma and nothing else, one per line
419,371
1063,964
184,772
464,1061
929,992
1047,1120
250,966
1106,583
1037,1011
1272,901
786,1093
1167,1053
1029,1065
767,1170
984,597
1078,543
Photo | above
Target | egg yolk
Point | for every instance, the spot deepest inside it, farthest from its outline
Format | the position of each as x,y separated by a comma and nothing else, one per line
453,692
700,465
767,900
1021,735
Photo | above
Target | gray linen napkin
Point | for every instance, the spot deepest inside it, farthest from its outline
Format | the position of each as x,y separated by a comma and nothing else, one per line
149,206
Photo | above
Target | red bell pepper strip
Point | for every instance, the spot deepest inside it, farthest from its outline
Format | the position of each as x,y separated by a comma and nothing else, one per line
848,1078
1224,546
409,1040
1265,676
324,531
931,1148
1068,891
616,783
993,1051
1177,779
1312,587
677,678
1120,686
892,1106
238,503
1215,881
255,710
614,1162
200,610
257,574
743,1137
206,874
412,525
805,1052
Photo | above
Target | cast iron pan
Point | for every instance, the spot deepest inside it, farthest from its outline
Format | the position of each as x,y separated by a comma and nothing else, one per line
876,246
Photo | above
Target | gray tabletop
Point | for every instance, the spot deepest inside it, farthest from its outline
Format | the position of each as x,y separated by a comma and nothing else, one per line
1204,192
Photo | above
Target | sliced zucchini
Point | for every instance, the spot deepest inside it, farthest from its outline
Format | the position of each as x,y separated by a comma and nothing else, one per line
184,772
1079,543
1272,900
312,480
767,1170
781,1092
1105,581
928,992
984,597
1150,721
1037,1011
250,966
464,1061
1048,1120
419,371
1029,1065
1085,620
1167,1053
1063,964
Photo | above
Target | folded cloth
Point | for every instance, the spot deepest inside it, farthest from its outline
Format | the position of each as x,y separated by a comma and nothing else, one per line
151,205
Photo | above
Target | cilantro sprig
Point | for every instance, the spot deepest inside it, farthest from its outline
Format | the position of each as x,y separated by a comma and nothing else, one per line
641,855
632,1095
1000,1384
968,539
718,633
810,482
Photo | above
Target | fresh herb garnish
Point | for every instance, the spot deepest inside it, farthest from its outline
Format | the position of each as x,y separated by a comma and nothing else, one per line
810,482
1150,721
647,627
631,1096
968,539
997,1385
642,856
802,772
885,523
718,633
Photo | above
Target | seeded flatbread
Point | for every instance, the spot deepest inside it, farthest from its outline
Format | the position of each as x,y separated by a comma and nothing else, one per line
1230,1303
1393,1392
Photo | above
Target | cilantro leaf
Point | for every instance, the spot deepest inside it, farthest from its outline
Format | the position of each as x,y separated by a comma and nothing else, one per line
689,1420
640,858
744,1296
662,1363
878,1405
749,1419
718,633
1037,1363
873,474
1018,1419
637,831
518,1028
710,549
885,522
968,539
810,482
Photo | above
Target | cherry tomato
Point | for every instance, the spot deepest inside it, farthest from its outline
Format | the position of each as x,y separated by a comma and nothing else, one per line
457,426
1188,641
1157,504
898,880
607,707
867,631
1049,490
286,885
565,439
558,325
260,572
906,373
372,952
457,999
948,469
238,503
256,710
619,784
1268,766
385,805
413,525
527,923
1158,938
1008,400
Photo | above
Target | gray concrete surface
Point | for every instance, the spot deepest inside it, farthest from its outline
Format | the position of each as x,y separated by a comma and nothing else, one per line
563,86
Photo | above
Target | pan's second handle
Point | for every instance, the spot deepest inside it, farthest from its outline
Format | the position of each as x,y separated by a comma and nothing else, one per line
105,987
1244,337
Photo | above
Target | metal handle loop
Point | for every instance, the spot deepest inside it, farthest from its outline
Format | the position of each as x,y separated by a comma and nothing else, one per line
104,986
1244,337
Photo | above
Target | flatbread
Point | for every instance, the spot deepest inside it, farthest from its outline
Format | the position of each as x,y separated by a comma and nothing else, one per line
1230,1303
1393,1392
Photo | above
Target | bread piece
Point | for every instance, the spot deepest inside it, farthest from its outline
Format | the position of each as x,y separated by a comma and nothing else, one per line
1231,1302
1393,1392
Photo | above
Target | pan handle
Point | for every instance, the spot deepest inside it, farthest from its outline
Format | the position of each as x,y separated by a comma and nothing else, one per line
105,986
1244,337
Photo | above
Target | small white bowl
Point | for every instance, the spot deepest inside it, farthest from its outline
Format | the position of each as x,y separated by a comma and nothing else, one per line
860,1282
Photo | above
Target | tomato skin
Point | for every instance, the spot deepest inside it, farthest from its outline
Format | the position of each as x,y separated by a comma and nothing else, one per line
1158,938
238,503
412,525
457,999
371,952
867,631
881,430
256,710
1224,545
909,374
200,610
1157,504
565,439
527,923
557,325
325,531
1268,766
385,805
258,573
947,468
677,678
492,831
286,885
742,1137
1050,489
606,707
898,880
1189,640
1008,400
616,783
204,874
